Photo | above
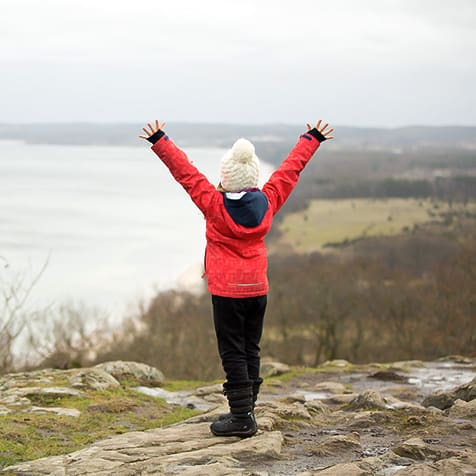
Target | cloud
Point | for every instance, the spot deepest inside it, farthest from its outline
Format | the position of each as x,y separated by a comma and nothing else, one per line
238,60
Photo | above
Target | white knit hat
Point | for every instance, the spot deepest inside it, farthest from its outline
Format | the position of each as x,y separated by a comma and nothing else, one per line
240,167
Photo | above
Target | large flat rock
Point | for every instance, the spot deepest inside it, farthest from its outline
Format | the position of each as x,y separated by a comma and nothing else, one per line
185,448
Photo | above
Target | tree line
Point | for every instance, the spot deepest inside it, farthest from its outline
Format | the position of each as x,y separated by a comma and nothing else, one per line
411,296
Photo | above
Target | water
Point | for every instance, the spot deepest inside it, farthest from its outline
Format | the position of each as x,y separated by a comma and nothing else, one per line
112,223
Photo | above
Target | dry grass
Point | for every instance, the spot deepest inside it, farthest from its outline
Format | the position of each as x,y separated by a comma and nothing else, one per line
327,222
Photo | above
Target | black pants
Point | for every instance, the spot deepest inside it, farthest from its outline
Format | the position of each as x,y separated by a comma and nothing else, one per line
238,326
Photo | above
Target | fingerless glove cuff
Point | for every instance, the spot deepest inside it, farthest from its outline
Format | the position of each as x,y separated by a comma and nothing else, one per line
156,136
316,134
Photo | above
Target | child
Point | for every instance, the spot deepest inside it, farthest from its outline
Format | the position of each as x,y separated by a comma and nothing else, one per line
238,216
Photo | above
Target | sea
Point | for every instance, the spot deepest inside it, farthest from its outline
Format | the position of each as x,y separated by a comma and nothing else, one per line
100,226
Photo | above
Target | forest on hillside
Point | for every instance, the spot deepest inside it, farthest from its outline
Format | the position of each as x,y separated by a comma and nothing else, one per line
410,296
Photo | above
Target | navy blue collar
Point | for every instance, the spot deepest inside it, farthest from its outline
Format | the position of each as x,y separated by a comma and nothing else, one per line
248,210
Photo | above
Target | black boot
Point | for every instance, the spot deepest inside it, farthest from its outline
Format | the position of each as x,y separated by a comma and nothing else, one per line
255,387
241,421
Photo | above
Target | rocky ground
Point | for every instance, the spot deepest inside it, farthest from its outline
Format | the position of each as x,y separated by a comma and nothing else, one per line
404,418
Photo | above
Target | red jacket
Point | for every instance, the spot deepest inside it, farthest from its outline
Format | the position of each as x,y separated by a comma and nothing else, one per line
235,257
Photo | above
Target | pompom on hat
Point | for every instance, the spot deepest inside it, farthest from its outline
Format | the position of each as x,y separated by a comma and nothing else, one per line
240,167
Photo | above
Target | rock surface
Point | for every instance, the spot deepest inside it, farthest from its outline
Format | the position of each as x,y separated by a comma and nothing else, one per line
369,400
444,399
182,449
462,409
388,376
331,387
461,465
337,444
94,379
375,433
273,369
141,374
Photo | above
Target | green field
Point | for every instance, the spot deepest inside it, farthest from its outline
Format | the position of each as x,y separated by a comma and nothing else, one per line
327,222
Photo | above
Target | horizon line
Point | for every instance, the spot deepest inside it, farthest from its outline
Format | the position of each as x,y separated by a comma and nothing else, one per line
241,124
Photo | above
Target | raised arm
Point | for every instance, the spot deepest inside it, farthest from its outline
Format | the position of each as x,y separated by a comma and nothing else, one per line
285,178
199,188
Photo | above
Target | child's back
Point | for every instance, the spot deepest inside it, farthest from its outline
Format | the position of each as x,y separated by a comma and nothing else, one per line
238,217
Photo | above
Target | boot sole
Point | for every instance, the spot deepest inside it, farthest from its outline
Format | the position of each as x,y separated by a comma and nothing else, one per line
242,434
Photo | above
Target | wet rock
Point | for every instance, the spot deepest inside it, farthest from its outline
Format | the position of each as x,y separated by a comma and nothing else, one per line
445,399
336,444
94,379
135,372
367,401
273,369
388,376
462,409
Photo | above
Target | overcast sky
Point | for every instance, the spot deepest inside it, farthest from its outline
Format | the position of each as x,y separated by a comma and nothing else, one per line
365,62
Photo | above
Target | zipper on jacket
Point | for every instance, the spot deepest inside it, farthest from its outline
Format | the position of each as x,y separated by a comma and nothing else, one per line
204,264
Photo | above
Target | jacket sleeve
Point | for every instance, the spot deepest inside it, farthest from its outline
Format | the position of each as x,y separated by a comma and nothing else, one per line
199,188
285,178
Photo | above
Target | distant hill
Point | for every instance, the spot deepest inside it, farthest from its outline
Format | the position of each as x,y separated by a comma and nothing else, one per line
413,161
223,135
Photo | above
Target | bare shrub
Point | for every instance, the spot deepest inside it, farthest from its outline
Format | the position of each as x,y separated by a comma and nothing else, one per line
69,336
174,333
15,317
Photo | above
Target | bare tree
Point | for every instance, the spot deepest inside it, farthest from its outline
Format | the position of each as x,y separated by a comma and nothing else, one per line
69,336
15,291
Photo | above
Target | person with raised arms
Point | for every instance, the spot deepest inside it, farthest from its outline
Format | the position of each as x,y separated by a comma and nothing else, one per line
238,216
